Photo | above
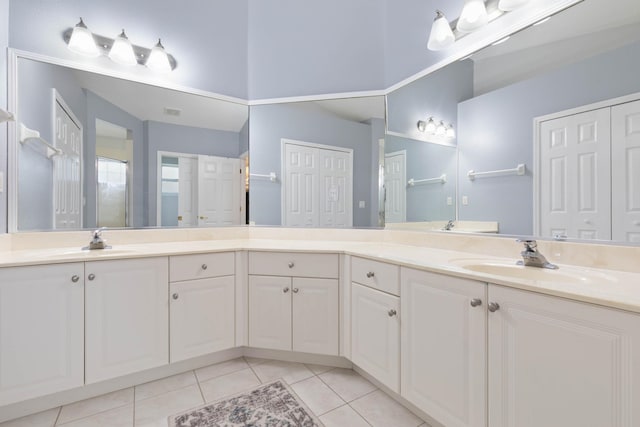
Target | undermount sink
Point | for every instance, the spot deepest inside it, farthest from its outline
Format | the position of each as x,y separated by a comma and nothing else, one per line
513,270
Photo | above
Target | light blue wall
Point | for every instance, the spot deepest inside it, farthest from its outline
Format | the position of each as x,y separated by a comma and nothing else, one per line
181,139
4,43
270,123
495,131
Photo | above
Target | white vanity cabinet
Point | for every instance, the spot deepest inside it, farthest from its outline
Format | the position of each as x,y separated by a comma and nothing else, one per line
294,302
126,317
375,320
202,304
41,330
556,362
443,336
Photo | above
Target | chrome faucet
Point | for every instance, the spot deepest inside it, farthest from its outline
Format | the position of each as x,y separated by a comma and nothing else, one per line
97,242
449,225
532,258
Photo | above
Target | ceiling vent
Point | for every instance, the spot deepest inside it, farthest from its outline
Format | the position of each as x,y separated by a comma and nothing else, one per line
172,111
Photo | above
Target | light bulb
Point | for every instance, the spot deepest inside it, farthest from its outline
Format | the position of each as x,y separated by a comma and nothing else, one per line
158,59
441,130
473,16
451,133
441,35
430,126
122,51
422,125
509,5
82,41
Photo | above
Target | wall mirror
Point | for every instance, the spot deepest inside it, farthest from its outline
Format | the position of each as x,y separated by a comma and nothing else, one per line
94,150
316,163
547,139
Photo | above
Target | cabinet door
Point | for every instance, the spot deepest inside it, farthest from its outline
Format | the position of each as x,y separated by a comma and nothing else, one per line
315,315
444,347
375,334
41,330
555,362
127,317
270,312
202,317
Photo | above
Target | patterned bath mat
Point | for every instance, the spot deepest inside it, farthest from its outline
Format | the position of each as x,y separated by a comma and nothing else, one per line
270,405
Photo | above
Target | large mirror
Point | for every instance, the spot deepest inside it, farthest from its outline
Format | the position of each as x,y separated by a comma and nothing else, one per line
96,151
546,128
316,163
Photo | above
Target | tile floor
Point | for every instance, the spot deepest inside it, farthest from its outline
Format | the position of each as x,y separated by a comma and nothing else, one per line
339,397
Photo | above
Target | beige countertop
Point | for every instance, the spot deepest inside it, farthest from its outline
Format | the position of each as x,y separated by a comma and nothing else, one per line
612,288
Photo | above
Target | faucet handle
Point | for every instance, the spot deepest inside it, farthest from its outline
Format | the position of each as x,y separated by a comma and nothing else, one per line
529,244
97,233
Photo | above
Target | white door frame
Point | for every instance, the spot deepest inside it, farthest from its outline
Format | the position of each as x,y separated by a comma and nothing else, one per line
159,179
402,153
283,180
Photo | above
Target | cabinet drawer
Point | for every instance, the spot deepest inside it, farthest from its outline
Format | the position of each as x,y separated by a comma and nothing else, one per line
375,274
294,264
201,266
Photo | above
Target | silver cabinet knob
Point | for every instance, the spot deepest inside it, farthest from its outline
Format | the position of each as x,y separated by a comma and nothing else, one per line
285,290
493,307
91,276
175,296
204,266
295,290
476,302
392,312
370,274
291,264
75,278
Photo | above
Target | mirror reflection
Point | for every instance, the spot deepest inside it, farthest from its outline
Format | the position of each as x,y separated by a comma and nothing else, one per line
315,164
99,151
546,126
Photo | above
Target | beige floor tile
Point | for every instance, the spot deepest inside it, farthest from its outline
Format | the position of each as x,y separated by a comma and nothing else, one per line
41,419
380,410
95,405
165,385
154,411
290,372
347,383
317,396
219,369
344,416
227,385
318,369
119,417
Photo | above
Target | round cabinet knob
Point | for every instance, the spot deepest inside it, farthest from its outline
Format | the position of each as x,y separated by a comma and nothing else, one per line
75,278
295,290
494,306
370,274
175,296
392,312
476,302
204,266
285,290
291,264
92,276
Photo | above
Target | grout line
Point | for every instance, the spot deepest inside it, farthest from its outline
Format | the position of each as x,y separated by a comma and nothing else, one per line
55,422
252,370
133,421
199,387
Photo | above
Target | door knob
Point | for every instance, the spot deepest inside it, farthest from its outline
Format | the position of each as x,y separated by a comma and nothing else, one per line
493,307
476,302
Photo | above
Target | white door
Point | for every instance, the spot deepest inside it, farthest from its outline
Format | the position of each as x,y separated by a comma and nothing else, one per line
67,188
575,176
126,317
444,347
625,157
202,317
300,188
187,192
41,330
395,184
555,362
335,189
219,191
270,312
315,315
375,334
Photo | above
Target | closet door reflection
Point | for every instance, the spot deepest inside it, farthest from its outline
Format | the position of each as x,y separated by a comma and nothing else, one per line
112,192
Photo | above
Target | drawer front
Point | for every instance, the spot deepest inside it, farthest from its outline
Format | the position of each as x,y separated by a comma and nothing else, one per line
378,275
201,266
294,264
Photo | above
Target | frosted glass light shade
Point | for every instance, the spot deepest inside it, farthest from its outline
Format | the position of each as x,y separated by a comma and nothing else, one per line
430,126
509,5
441,130
82,41
441,36
122,51
473,16
158,59
451,133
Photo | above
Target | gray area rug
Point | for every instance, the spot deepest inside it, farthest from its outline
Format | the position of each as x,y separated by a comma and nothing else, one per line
269,405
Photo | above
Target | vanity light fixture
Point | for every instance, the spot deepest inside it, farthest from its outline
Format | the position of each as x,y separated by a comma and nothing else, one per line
500,41
473,16
509,5
437,128
441,36
120,50
451,133
542,21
